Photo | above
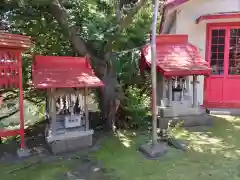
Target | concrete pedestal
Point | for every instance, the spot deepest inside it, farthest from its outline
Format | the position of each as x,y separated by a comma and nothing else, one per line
69,141
153,152
22,153
183,114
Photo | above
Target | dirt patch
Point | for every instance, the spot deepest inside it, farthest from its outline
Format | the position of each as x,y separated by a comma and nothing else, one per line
88,169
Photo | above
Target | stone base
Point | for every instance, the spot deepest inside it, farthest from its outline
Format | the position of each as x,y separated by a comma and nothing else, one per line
176,111
62,143
185,121
223,111
153,152
22,153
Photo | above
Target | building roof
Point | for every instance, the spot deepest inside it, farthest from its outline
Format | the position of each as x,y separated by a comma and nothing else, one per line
63,72
14,41
174,3
175,57
224,15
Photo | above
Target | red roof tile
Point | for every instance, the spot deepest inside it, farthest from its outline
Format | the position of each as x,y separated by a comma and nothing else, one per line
176,57
14,41
61,71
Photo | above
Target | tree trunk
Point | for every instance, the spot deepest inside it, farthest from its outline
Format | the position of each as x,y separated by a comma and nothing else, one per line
111,93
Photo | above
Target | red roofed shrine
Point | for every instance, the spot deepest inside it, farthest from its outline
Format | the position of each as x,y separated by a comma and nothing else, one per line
176,61
67,81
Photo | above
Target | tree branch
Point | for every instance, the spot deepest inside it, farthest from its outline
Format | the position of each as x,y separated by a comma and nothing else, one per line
125,22
81,47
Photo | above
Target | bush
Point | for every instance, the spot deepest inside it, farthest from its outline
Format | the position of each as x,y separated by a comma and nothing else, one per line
135,107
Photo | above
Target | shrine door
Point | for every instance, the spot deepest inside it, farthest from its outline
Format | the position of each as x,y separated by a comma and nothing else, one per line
222,87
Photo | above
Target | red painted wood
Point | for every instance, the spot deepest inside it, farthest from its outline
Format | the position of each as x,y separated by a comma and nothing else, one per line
221,90
11,46
218,16
21,98
6,133
63,71
175,57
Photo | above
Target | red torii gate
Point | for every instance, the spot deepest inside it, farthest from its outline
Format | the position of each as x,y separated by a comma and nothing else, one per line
11,47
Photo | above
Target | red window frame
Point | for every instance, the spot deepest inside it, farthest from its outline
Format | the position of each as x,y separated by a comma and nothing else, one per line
227,27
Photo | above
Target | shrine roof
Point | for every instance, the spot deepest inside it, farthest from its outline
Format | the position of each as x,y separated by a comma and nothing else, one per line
175,57
14,41
63,72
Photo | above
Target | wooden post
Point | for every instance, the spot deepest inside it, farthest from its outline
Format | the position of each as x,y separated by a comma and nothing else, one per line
86,109
53,111
159,89
194,91
153,73
182,87
170,92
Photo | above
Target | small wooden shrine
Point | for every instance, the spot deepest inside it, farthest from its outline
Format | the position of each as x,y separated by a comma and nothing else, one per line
11,47
178,65
67,81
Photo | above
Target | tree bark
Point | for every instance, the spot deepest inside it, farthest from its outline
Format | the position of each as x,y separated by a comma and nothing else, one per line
111,93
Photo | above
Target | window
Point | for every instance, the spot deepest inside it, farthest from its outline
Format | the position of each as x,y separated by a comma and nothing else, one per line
217,51
234,52
225,54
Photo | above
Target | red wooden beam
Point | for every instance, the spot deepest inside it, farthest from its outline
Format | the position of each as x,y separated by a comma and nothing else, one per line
218,16
7,133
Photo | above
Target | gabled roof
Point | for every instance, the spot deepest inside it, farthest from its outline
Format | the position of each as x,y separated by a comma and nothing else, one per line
14,41
63,72
175,57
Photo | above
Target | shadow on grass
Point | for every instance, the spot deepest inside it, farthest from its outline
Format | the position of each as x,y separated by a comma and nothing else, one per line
212,154
34,137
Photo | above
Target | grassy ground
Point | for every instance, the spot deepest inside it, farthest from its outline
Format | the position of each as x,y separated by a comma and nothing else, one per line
212,155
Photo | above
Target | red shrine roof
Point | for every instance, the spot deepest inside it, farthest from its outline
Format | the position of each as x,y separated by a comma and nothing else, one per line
62,72
175,57
14,41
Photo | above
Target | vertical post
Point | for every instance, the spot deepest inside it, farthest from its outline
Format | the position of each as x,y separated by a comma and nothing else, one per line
170,92
86,109
182,91
160,90
53,111
153,72
21,99
194,91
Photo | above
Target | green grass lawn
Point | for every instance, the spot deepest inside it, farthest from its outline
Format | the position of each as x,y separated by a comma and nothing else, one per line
212,155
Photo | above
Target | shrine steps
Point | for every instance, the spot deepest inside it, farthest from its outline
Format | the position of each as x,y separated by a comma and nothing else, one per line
223,111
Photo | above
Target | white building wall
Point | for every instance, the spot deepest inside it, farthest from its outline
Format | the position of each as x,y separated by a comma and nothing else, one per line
186,24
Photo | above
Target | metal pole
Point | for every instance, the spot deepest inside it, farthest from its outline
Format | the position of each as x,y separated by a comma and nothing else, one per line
153,72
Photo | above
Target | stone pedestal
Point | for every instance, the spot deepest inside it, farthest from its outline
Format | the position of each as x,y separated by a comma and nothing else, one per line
153,151
67,139
184,114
